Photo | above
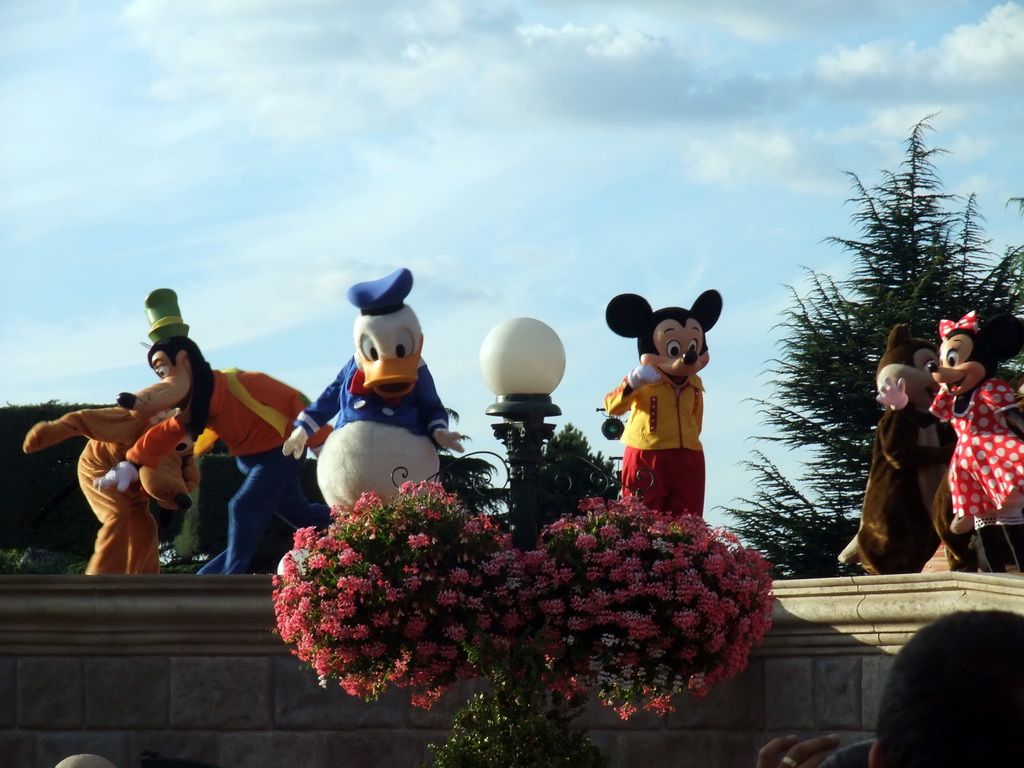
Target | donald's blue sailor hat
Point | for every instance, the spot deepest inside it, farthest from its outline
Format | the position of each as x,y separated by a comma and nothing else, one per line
383,296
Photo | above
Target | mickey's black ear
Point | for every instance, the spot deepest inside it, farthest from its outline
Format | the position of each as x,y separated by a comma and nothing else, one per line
1004,335
628,314
707,308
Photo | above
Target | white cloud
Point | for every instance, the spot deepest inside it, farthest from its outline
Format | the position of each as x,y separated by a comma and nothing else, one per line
764,155
988,53
991,51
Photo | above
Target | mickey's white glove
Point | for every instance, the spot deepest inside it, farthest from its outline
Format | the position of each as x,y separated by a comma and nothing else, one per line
893,394
295,443
642,374
120,477
448,439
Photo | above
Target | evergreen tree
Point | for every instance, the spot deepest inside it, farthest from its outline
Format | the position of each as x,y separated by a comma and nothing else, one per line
917,260
573,471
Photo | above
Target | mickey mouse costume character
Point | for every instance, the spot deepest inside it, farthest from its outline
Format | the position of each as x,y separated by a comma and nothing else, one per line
665,399
986,476
390,420
248,411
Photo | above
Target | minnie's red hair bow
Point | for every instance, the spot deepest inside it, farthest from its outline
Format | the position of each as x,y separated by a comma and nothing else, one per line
968,322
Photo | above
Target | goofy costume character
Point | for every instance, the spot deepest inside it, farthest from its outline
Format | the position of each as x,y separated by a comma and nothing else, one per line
250,412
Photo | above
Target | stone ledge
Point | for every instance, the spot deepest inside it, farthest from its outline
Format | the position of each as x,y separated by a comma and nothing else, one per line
172,614
869,614
186,615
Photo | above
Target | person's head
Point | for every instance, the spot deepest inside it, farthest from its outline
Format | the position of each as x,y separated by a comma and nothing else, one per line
850,756
955,695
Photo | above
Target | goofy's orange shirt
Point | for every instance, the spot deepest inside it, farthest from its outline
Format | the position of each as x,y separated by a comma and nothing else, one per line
251,412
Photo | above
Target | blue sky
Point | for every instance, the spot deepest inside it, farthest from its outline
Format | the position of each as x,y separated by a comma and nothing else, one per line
521,158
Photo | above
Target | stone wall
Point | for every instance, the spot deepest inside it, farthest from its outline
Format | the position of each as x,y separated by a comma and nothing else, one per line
187,666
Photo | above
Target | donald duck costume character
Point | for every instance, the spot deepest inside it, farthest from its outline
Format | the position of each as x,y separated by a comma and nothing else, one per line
390,420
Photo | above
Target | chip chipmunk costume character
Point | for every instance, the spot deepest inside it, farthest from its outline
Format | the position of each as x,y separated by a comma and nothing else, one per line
390,420
986,475
906,512
249,411
128,539
663,459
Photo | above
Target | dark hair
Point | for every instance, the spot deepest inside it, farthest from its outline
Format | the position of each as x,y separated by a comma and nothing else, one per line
202,380
955,694
850,756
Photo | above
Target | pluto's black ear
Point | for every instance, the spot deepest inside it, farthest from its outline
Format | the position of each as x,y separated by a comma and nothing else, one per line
1004,336
628,315
707,309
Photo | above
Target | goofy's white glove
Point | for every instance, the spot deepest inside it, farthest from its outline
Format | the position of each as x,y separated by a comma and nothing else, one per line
121,477
295,443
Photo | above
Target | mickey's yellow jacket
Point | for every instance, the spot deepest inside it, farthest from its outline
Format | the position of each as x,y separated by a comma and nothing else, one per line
661,417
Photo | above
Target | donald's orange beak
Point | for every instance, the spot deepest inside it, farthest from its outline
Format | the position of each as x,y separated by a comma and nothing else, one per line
391,376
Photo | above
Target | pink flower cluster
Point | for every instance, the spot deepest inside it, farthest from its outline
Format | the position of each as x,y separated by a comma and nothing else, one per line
397,593
641,606
619,599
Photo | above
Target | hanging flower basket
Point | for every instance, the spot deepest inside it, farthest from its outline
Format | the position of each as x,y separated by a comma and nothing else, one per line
619,600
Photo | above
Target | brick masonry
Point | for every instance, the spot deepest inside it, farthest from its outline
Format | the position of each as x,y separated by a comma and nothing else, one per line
220,688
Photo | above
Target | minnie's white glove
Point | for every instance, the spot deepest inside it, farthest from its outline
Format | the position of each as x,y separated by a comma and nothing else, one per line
642,374
295,443
120,477
893,394
448,439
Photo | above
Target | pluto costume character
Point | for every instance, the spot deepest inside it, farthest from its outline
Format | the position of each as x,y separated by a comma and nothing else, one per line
390,420
663,457
905,513
250,412
128,540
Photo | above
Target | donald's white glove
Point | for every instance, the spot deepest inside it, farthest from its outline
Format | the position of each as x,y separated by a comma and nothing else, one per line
121,476
893,394
642,374
448,439
295,443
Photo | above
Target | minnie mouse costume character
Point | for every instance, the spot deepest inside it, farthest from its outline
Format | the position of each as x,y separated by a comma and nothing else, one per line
663,458
986,476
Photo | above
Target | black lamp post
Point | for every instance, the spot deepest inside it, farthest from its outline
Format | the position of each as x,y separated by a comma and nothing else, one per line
522,361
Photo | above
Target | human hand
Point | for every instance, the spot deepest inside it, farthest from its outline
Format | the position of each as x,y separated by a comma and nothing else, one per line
790,752
642,374
893,393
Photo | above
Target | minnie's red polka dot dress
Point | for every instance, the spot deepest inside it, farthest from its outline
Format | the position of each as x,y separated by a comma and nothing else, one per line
987,470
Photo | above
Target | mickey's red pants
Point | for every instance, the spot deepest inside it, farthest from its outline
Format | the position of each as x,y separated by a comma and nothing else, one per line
670,480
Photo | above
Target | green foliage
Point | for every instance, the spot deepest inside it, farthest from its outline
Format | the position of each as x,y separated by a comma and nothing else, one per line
573,471
43,506
471,478
38,561
917,260
517,724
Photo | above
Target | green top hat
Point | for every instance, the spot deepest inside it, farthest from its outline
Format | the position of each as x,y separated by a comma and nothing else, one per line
164,315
